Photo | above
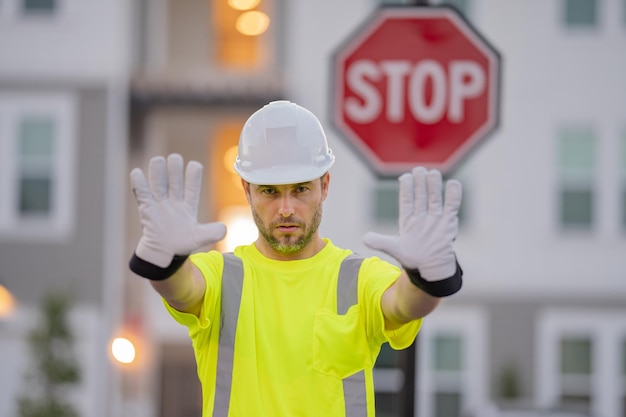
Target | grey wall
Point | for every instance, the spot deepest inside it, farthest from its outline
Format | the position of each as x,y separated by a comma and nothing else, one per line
30,268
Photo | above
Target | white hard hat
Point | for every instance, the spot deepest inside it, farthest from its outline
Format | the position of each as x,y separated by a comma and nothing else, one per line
282,143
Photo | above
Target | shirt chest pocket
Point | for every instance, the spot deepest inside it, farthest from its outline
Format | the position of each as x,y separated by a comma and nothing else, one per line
340,346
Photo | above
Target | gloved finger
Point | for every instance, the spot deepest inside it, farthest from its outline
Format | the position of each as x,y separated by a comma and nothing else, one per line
207,233
193,182
140,187
384,243
406,199
453,197
420,190
157,172
435,190
175,176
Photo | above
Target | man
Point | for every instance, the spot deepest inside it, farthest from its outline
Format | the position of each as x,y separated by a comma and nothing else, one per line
291,325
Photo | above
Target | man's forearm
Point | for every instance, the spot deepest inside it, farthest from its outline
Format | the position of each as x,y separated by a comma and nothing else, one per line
184,290
404,302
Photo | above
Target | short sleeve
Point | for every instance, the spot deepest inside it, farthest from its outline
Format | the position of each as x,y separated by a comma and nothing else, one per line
375,277
211,265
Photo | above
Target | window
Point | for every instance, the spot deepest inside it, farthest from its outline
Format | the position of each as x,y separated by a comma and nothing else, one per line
385,202
576,349
577,168
580,13
240,34
35,164
448,366
39,6
461,5
226,41
452,352
576,373
448,353
37,146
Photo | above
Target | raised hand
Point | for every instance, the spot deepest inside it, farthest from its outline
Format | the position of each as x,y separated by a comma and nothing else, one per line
168,209
428,225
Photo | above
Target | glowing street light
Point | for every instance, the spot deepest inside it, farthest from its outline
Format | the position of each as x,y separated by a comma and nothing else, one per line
252,23
243,4
123,350
7,302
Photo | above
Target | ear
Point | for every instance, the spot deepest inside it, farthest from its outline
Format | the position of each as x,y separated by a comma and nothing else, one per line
246,189
325,180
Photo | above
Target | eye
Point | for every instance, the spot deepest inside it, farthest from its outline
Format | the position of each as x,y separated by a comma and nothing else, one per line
268,191
302,189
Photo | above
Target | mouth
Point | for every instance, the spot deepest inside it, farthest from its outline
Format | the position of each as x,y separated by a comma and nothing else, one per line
287,228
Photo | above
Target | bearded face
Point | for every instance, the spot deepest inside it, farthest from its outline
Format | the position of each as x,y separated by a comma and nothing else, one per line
288,216
289,235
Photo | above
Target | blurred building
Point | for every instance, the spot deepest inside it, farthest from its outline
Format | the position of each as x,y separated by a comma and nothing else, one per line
89,90
63,98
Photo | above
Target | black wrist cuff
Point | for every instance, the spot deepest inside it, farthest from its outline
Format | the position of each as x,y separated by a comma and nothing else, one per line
153,272
442,288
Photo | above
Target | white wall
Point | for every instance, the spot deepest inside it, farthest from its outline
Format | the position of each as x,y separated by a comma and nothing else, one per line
553,77
84,40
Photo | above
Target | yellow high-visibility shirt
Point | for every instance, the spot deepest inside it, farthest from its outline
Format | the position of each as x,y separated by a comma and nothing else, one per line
292,349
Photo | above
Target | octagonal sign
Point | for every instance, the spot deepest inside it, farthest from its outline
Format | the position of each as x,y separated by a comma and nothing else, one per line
415,86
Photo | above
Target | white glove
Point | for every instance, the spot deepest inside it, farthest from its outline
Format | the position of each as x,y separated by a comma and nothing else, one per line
427,227
169,211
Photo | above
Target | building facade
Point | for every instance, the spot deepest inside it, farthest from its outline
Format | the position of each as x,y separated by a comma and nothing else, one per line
63,71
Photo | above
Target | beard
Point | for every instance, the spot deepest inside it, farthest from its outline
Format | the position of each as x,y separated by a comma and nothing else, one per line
289,244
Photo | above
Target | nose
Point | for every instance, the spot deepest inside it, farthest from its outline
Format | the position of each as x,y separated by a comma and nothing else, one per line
286,208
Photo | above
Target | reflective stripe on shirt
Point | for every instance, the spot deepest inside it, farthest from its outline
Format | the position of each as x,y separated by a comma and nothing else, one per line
232,285
231,299
347,296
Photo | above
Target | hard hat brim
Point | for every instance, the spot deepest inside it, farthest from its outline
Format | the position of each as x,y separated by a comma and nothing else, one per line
284,174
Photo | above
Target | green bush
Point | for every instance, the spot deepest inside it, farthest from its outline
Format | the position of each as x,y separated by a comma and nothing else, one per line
55,368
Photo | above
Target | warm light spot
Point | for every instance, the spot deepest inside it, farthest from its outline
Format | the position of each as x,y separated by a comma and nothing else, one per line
7,302
123,350
229,159
252,23
243,4
240,226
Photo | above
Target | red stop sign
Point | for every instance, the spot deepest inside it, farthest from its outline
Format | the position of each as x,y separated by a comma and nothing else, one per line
415,86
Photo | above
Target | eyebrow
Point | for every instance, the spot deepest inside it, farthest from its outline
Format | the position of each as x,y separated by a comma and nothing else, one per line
298,184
